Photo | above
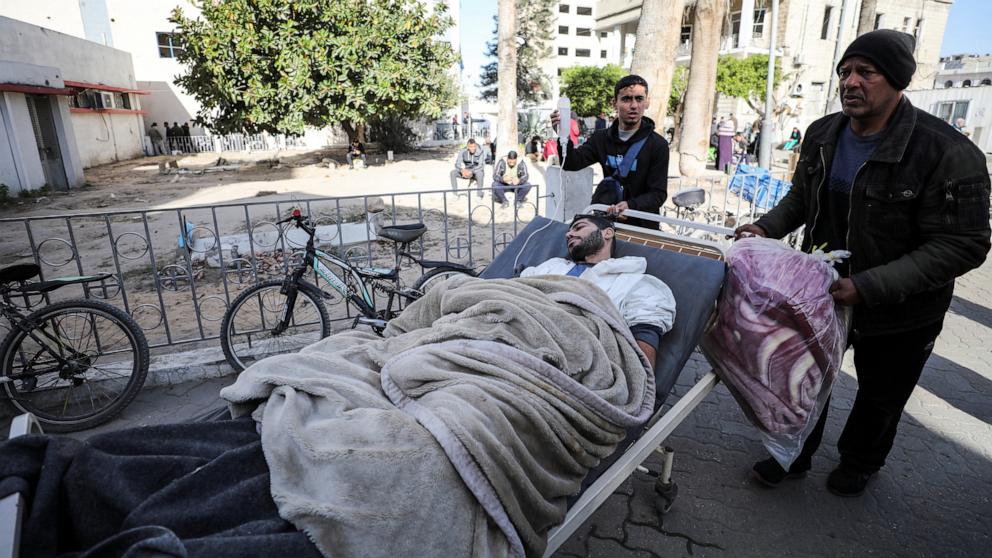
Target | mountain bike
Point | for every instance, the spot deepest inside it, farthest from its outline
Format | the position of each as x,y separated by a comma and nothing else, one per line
285,315
74,364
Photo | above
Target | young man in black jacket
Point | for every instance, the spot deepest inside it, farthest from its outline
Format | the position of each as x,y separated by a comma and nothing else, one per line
909,197
646,186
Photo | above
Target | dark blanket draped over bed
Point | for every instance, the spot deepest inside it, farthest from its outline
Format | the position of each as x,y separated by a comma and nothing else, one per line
205,487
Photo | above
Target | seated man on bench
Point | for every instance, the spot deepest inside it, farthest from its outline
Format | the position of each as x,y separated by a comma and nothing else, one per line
646,303
470,164
510,174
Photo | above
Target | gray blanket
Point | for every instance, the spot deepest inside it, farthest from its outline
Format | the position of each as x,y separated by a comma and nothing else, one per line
462,432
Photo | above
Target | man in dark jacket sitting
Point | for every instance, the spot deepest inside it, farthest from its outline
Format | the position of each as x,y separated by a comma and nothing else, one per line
909,197
510,174
646,186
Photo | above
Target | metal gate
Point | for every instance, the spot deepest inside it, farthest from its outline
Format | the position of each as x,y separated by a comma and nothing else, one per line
40,108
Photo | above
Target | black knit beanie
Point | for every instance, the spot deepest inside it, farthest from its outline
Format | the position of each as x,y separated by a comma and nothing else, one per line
891,51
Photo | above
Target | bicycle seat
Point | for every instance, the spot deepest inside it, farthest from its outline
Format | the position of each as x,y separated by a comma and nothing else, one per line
18,273
403,233
691,198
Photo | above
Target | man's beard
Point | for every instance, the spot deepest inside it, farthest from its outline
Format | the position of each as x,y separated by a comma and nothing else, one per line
589,246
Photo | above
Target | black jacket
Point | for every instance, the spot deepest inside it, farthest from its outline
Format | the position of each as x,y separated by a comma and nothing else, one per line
919,216
646,187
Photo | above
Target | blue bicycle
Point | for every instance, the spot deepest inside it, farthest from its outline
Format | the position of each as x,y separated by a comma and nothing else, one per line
285,315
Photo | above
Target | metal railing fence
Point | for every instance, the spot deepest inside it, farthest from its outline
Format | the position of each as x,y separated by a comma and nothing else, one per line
177,269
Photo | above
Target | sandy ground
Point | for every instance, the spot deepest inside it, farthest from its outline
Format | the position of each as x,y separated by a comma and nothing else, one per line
126,222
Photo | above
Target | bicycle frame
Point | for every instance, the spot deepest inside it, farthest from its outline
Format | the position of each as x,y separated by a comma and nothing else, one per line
20,321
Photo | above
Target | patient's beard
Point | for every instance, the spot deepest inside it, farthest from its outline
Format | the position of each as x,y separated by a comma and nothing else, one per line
589,246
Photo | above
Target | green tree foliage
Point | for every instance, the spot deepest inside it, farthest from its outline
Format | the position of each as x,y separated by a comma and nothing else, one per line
589,88
281,65
744,78
535,22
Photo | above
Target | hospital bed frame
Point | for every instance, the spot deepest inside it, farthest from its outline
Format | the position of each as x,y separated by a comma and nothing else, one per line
663,422
661,425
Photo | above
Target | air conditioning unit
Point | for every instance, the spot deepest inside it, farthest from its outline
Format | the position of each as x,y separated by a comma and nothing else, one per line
103,99
799,60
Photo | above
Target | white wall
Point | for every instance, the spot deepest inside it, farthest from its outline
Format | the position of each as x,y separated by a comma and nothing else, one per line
58,15
979,118
107,138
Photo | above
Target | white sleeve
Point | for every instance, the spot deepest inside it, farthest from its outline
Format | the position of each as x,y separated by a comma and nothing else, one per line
650,301
549,267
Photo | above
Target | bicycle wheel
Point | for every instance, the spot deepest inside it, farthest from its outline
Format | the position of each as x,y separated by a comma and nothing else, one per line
248,334
437,276
78,365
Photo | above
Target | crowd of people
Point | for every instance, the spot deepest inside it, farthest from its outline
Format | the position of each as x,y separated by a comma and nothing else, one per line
175,138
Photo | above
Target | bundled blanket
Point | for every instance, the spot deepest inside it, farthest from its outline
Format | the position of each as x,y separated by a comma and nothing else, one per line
778,336
462,432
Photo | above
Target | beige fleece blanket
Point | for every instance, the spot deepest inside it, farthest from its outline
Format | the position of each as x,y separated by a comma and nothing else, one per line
462,432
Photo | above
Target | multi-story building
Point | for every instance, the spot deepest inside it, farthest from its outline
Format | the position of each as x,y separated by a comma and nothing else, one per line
811,34
143,29
577,40
963,70
65,104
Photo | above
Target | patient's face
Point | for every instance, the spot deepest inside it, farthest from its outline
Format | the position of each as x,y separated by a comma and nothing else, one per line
584,239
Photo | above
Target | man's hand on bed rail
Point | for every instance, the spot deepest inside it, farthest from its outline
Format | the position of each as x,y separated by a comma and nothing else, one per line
616,210
750,229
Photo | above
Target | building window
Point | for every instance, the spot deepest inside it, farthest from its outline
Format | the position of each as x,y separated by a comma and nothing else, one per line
952,110
579,10
168,45
603,34
602,54
735,28
825,30
878,21
563,8
905,24
582,32
122,101
686,35
758,28
948,84
917,29
966,83
582,52
562,51
563,30
559,72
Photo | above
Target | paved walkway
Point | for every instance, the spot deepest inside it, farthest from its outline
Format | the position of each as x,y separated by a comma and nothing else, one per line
932,499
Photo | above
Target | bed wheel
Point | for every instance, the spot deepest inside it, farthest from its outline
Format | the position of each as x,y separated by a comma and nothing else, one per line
667,492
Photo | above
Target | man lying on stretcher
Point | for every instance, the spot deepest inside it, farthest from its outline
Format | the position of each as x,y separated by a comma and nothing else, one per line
646,303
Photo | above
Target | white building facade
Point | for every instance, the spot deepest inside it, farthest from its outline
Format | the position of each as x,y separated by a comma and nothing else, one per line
142,28
65,104
810,36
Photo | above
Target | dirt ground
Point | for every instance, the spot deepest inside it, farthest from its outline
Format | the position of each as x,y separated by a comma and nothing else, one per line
127,219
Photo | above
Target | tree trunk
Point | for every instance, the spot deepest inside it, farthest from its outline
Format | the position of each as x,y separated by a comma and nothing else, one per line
506,133
654,35
354,130
698,108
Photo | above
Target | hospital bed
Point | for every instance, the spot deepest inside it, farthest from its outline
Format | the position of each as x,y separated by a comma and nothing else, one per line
694,271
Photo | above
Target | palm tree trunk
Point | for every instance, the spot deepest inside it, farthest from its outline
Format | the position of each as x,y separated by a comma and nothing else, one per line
506,134
654,53
698,109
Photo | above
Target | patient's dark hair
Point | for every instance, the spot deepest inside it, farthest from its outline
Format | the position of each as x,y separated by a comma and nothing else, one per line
600,222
